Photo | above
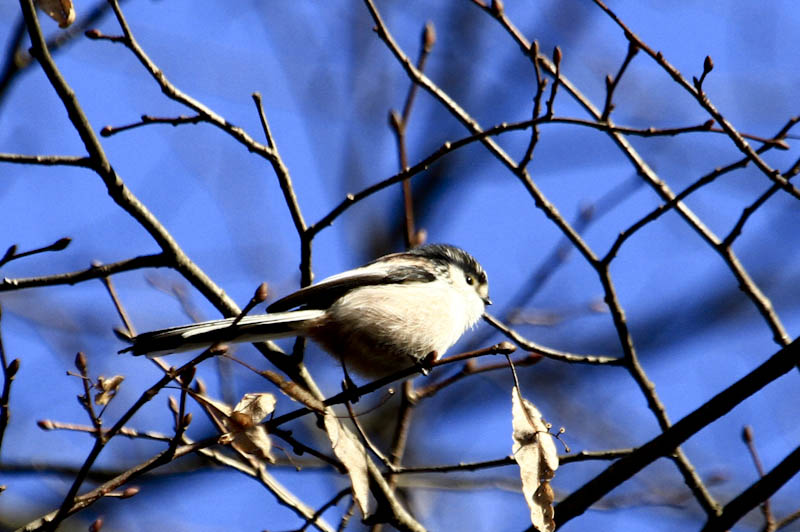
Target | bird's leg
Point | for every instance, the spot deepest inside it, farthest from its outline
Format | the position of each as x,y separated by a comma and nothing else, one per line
348,386
426,363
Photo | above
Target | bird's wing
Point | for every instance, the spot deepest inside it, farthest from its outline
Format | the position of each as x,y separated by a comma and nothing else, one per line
324,293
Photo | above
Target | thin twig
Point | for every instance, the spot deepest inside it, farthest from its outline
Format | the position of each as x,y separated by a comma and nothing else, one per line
548,352
322,509
612,83
46,160
362,433
10,370
747,437
12,253
556,79
541,83
399,124
146,120
85,399
748,211
158,260
469,369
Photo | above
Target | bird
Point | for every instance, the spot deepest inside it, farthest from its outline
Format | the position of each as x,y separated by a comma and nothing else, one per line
395,312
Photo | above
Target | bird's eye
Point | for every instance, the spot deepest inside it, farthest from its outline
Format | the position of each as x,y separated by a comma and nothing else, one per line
470,280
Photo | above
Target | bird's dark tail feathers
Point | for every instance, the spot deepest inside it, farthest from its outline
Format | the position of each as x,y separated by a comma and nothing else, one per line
202,335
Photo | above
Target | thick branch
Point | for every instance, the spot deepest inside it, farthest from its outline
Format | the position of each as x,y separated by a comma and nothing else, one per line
665,444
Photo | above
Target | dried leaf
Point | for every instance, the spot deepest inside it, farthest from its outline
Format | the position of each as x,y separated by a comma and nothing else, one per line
108,389
349,450
242,422
255,441
62,11
250,437
535,453
256,406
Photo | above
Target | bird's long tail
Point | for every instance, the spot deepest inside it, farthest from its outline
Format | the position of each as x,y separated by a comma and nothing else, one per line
202,335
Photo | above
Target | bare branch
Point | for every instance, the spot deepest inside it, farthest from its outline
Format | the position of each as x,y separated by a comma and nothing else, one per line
158,260
146,120
46,160
10,370
612,83
704,102
12,253
548,352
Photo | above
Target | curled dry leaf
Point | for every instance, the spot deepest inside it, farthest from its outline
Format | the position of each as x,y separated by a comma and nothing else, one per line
108,389
62,11
244,432
255,406
349,450
535,453
249,436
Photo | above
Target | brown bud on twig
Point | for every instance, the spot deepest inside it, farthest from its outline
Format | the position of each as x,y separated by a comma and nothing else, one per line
97,525
121,334
535,48
747,434
218,349
45,424
13,368
129,492
188,375
106,131
61,243
420,237
93,34
10,252
557,55
708,124
505,348
173,404
80,362
395,120
261,293
428,37
609,81
187,419
708,65
497,7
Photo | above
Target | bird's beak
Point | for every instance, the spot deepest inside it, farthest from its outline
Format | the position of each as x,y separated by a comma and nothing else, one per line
487,301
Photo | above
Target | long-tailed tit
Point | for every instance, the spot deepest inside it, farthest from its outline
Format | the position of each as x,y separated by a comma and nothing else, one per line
380,318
